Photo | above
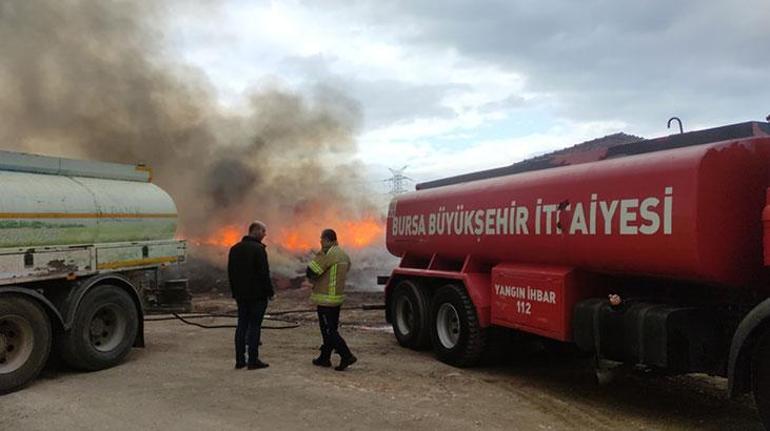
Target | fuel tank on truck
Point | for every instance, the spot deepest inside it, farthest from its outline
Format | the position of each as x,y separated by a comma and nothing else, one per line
55,201
692,213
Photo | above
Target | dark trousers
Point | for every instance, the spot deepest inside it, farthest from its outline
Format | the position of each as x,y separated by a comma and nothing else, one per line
329,320
250,315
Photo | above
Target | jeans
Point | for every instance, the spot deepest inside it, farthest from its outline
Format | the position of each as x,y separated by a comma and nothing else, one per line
328,320
250,315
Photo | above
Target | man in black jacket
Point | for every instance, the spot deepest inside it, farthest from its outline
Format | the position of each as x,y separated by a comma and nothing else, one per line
251,286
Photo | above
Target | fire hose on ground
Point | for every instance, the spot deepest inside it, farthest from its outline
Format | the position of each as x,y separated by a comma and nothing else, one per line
186,318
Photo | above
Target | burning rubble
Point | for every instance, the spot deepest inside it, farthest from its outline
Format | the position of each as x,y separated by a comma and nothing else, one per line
290,248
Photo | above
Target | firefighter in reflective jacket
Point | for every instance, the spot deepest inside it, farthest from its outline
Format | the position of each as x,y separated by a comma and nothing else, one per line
327,271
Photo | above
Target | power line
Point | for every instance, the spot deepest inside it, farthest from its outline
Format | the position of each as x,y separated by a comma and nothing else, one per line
398,181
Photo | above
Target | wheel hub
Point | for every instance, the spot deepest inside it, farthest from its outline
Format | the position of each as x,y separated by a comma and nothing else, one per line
448,325
97,327
16,342
404,315
107,328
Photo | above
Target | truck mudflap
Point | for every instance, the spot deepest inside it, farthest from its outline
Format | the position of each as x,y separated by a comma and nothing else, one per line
680,339
744,340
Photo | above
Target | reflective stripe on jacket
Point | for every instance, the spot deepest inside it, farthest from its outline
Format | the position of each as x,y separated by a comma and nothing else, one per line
331,268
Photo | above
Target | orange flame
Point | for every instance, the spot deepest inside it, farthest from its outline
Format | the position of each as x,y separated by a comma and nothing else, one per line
305,236
223,237
364,232
352,233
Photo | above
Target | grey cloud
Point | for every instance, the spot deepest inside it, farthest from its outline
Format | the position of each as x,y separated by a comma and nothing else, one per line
511,102
609,60
390,101
383,101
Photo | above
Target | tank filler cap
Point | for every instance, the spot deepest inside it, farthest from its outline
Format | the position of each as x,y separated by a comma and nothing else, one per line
678,120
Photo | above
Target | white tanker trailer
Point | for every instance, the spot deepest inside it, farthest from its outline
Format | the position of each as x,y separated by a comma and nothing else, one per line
82,245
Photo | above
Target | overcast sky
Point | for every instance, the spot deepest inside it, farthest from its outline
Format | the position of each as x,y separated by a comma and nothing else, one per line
451,86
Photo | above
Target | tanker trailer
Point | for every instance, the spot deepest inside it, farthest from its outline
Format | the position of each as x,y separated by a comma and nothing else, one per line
650,253
82,245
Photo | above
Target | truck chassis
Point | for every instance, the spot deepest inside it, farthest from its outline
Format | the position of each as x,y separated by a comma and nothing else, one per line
84,302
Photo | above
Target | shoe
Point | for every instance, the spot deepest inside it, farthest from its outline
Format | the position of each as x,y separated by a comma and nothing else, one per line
324,359
238,366
257,365
346,362
322,362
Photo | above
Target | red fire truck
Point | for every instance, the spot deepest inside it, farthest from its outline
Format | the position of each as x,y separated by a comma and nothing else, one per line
654,253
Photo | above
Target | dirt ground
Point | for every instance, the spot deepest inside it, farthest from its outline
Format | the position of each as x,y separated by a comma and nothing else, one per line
184,380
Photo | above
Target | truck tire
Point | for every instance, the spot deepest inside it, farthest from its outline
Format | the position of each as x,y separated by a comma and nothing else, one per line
410,308
457,337
103,331
760,378
25,341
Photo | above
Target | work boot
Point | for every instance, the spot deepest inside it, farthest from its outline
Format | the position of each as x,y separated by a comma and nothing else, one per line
256,365
346,362
239,365
324,359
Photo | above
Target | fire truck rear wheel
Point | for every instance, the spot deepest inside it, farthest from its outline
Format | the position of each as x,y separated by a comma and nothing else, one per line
104,330
457,337
410,311
25,341
760,378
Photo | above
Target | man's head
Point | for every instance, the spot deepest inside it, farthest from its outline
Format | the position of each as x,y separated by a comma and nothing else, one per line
257,230
328,238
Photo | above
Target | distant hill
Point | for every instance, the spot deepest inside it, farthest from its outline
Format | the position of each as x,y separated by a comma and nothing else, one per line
584,151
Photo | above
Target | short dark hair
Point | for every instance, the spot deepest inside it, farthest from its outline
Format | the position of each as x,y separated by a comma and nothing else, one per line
329,235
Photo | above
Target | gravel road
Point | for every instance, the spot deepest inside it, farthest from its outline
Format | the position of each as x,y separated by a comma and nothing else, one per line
183,380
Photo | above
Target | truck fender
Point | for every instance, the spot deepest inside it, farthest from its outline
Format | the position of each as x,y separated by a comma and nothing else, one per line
393,280
77,294
477,284
747,334
51,309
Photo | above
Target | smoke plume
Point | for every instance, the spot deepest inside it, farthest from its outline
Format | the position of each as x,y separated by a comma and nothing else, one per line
94,79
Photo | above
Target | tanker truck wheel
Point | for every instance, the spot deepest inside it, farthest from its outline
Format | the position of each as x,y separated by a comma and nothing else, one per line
410,308
25,341
104,330
760,379
457,338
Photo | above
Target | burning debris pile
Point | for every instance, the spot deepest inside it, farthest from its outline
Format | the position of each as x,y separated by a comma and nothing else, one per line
94,79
